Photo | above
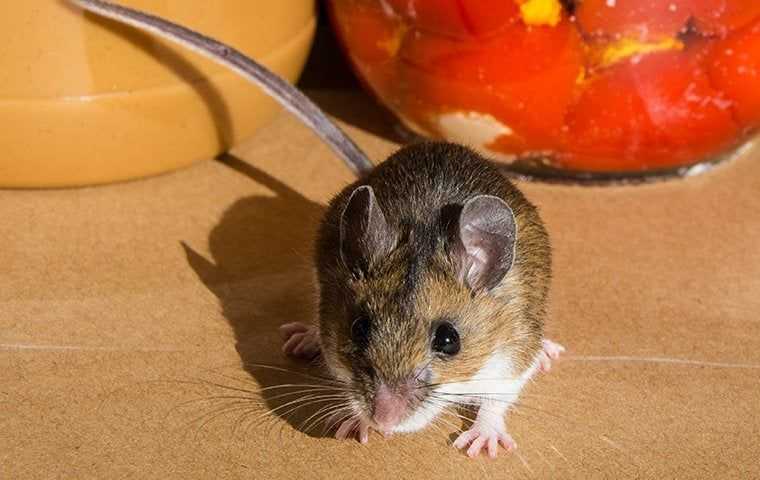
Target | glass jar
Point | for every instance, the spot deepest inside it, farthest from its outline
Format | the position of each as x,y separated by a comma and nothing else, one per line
85,101
574,88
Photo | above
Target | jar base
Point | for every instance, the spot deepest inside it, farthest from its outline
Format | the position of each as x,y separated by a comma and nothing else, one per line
539,168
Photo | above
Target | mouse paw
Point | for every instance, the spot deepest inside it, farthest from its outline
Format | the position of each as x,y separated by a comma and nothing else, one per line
353,428
484,437
551,351
300,340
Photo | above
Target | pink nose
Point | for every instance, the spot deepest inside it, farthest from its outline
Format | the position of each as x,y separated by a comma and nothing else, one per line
389,408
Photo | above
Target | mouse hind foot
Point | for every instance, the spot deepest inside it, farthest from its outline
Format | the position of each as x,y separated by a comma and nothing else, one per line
300,340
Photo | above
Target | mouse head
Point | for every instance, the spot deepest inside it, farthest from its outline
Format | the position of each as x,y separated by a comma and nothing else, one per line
413,310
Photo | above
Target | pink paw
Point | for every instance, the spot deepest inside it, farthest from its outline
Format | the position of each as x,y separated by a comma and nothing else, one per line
481,437
301,340
352,428
551,351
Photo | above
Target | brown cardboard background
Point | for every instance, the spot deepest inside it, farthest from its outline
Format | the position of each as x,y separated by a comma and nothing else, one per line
116,301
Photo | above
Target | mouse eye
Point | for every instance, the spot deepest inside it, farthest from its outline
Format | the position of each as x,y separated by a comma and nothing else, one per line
360,330
446,339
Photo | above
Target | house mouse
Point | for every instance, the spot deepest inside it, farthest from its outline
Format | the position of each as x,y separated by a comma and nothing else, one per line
433,272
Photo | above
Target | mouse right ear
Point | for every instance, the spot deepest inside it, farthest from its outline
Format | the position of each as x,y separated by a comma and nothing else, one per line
485,248
365,235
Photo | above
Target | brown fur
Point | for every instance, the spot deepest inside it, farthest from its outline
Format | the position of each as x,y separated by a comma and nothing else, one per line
420,189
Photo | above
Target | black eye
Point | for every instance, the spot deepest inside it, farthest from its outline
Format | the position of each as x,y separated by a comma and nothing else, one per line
360,330
446,339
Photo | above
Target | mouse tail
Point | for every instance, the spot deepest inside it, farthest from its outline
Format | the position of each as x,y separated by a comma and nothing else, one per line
286,94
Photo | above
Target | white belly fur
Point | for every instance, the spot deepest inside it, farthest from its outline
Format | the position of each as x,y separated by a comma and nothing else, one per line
495,380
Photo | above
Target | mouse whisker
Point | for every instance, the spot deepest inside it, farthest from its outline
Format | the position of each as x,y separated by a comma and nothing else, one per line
319,411
215,398
226,387
242,422
603,439
606,439
494,395
458,402
210,420
550,447
306,398
268,415
297,392
209,417
219,408
335,409
545,460
352,413
469,399
207,383
507,397
309,386
317,415
518,408
253,398
288,408
355,418
473,380
250,420
278,368
246,401
448,423
524,462
438,429
244,380
447,405
296,372
422,370
559,454
477,397
210,399
466,418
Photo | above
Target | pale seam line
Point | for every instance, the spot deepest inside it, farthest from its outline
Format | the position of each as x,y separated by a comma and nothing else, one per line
677,361
21,346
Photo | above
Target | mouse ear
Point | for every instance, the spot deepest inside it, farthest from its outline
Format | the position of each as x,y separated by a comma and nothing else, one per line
365,235
485,248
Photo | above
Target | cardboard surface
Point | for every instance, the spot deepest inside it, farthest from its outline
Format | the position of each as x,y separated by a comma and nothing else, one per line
127,312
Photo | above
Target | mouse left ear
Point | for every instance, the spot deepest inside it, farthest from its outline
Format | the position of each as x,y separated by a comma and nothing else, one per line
485,247
365,235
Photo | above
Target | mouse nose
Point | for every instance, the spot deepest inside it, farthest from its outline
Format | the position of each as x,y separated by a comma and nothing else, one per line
388,409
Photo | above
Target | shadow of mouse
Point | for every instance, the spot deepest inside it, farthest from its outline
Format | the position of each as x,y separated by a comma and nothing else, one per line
261,271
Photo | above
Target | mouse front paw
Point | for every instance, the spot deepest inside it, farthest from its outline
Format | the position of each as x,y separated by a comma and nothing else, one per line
300,340
484,437
551,351
353,428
